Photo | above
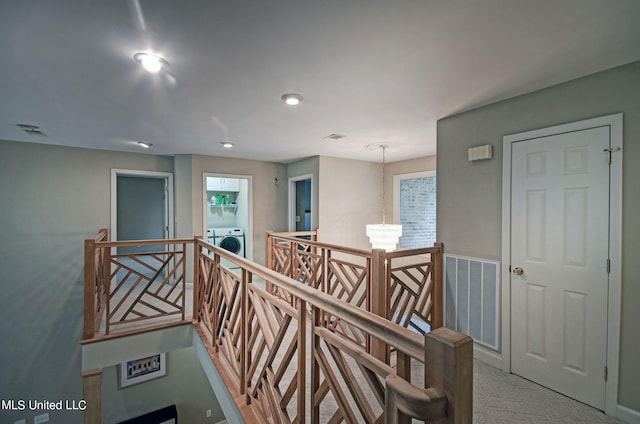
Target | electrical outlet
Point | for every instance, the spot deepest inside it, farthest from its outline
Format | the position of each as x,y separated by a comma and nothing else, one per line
42,418
208,413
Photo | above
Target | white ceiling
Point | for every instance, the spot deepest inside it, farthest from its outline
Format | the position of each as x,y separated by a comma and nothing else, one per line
377,71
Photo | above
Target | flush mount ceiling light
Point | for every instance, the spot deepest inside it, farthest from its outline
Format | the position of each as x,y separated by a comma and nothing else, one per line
144,144
227,145
292,99
150,62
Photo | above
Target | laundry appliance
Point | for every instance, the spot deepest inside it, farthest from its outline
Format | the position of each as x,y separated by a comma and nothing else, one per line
228,238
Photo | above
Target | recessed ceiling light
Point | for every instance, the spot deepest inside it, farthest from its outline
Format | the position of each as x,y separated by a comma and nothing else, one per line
150,62
292,99
144,144
227,145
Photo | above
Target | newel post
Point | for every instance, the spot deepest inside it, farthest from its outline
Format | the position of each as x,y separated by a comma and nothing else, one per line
196,278
378,299
438,299
449,369
89,289
269,258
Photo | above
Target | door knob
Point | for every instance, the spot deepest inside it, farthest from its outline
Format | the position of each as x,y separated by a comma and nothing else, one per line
518,271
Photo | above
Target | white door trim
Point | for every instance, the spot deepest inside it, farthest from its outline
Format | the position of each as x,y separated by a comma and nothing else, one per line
615,244
292,199
167,176
248,234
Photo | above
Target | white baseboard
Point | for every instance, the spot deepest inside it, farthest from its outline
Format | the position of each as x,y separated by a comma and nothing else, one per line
488,356
628,415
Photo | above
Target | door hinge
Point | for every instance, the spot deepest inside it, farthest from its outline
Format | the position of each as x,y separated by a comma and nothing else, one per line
609,151
606,373
608,266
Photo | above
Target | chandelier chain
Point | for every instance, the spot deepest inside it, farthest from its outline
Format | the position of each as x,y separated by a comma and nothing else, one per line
383,146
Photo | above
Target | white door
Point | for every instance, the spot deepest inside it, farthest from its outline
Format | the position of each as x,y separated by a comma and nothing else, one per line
559,254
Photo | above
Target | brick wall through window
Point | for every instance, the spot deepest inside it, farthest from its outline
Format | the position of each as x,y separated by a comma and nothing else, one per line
418,212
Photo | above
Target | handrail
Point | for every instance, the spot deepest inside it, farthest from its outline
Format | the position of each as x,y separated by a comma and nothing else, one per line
409,293
129,243
406,340
94,301
248,327
345,249
248,333
149,288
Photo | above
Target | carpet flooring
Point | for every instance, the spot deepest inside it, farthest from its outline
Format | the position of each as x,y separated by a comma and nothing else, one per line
504,398
500,397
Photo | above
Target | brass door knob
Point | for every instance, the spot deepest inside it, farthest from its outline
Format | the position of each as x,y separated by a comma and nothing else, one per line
518,271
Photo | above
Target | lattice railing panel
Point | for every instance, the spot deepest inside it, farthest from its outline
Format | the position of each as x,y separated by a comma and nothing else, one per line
100,300
348,282
281,252
146,287
411,296
307,266
273,352
229,309
206,305
350,385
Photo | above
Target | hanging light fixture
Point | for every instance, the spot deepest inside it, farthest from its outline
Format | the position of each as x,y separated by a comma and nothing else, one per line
384,236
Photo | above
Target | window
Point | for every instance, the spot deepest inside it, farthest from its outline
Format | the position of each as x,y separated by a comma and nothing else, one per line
415,208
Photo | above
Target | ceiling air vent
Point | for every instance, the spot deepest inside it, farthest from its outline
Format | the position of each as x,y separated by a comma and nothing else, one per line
334,136
32,129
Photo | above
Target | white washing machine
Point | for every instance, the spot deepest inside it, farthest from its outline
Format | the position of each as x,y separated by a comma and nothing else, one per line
228,238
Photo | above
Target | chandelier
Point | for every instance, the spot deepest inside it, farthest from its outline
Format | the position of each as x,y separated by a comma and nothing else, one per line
384,236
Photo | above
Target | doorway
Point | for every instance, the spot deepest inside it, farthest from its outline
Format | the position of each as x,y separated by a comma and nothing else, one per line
300,203
228,213
561,233
141,206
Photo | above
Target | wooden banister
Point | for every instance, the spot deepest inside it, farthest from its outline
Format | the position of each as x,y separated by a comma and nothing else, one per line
93,291
404,285
401,398
265,319
257,336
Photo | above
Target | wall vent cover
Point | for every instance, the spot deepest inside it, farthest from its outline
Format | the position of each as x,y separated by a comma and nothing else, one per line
32,129
334,136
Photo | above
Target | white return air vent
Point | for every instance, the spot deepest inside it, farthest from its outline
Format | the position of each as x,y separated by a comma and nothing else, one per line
472,298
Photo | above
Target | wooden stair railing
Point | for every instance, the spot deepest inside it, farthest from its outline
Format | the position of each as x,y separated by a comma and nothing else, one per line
404,286
283,361
94,300
133,292
292,354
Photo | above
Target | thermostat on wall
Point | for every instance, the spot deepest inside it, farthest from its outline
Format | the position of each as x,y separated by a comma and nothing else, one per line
480,152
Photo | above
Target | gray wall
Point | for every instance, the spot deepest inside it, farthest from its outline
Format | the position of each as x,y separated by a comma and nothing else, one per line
350,196
268,191
52,198
470,194
184,375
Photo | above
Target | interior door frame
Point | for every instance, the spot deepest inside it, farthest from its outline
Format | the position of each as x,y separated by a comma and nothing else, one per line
168,204
614,122
248,234
292,199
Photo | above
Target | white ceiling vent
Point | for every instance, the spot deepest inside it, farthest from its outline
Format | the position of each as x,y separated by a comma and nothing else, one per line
334,136
32,129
